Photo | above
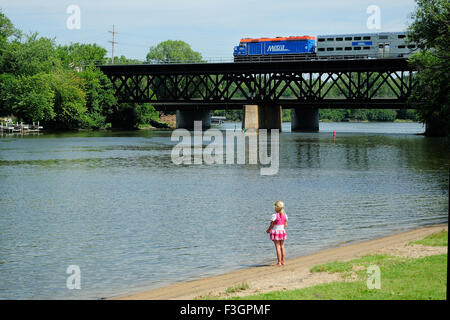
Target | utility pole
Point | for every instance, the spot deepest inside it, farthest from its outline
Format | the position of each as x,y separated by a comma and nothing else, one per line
113,43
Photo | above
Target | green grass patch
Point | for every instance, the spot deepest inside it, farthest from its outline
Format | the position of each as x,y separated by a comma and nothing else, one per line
401,278
230,290
332,267
435,239
237,288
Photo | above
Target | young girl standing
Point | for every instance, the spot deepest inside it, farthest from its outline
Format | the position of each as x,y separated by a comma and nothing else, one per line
277,231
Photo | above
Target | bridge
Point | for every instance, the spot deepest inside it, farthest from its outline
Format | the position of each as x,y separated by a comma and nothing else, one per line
262,89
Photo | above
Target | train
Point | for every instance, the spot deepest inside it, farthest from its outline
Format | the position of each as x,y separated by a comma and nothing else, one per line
334,46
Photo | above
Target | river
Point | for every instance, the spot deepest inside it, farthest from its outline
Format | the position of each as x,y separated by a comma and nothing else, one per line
115,205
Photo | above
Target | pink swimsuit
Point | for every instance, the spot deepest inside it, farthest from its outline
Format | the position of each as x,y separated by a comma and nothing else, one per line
278,232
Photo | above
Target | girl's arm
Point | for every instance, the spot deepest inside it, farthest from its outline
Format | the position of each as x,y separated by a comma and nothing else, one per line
270,227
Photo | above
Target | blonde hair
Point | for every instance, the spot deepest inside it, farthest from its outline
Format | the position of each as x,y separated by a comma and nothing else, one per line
280,206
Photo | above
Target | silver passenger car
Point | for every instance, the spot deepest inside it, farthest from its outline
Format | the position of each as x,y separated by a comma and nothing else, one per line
371,45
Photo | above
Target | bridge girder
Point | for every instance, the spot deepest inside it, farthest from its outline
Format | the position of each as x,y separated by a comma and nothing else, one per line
369,83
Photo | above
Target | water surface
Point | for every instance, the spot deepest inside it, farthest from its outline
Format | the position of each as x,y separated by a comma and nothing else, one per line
114,204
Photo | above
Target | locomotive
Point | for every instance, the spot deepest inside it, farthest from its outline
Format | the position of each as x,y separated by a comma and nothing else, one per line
337,46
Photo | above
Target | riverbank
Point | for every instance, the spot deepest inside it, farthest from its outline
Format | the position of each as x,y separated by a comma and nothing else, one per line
296,273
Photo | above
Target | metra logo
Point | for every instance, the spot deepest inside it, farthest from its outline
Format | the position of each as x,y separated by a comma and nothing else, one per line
277,48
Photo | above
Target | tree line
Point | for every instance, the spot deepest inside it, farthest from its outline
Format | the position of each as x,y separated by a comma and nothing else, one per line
59,85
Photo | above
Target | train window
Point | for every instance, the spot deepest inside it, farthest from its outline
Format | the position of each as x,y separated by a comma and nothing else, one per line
348,38
366,48
338,49
321,40
330,39
321,49
383,37
357,48
401,46
381,46
348,48
366,38
401,36
339,39
330,49
357,38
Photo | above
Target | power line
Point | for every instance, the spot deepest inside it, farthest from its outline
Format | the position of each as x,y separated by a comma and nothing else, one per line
113,43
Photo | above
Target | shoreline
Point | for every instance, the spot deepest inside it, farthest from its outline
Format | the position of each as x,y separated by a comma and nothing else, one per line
295,274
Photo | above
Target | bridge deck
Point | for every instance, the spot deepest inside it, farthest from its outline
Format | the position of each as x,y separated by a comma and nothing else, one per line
398,64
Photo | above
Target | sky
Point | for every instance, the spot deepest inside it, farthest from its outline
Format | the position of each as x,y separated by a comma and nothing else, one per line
211,27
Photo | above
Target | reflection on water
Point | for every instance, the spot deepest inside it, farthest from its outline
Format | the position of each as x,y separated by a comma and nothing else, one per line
114,204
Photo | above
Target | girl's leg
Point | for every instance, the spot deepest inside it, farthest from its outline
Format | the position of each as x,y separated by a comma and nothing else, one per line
283,252
278,249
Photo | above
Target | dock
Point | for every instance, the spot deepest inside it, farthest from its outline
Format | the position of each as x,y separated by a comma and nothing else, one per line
217,120
20,127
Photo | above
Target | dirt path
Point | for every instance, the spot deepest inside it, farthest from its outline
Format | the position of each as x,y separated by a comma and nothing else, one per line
295,274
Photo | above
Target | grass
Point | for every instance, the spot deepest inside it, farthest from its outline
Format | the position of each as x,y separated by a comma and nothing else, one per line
434,240
401,278
230,290
238,288
333,267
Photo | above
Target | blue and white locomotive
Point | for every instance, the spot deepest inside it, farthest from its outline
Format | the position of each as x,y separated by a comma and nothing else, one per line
292,47
361,45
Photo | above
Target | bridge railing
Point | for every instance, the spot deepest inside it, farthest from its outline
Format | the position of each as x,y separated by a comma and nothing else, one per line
247,59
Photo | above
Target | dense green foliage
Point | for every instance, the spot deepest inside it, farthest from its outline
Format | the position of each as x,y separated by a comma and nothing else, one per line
173,51
337,115
232,115
430,30
59,85
366,115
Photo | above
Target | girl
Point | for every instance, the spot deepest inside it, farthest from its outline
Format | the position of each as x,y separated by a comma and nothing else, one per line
277,231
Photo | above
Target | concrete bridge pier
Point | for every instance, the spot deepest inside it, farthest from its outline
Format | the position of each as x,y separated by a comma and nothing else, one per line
305,119
262,117
186,118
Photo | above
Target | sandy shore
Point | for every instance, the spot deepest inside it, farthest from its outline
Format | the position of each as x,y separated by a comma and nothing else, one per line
295,274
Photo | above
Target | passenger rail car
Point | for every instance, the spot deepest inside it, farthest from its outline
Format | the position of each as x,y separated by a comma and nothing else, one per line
370,45
337,46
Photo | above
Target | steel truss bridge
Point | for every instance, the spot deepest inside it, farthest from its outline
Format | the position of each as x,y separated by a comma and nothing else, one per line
358,83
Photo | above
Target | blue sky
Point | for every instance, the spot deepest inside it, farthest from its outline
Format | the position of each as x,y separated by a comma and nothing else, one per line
212,27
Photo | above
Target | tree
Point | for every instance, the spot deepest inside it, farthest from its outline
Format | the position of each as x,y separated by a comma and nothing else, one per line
77,55
430,30
69,100
30,57
7,93
173,50
123,60
100,98
7,29
32,98
130,115
381,115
